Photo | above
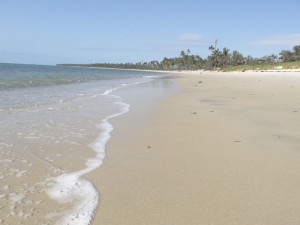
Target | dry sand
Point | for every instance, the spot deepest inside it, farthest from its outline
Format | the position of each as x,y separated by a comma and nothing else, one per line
223,151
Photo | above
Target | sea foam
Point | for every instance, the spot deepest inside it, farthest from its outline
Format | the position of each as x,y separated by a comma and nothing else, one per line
72,187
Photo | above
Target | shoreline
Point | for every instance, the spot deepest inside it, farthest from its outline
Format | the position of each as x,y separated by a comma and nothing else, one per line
45,157
73,187
279,70
224,151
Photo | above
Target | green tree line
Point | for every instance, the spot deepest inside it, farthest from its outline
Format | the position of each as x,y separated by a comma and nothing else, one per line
218,59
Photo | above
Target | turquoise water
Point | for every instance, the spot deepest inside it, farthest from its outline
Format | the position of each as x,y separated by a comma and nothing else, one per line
31,86
24,76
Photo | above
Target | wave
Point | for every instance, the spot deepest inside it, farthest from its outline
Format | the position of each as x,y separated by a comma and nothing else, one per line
73,187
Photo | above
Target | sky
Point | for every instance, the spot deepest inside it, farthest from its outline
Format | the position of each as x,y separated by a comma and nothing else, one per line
50,32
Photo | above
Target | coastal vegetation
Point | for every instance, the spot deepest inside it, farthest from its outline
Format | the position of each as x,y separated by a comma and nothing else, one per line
219,59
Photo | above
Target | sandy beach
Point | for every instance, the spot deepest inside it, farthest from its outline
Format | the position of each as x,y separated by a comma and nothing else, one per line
150,113
223,150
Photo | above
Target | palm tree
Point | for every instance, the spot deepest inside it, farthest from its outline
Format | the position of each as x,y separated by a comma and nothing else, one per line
226,56
182,54
188,58
215,59
297,51
287,56
237,58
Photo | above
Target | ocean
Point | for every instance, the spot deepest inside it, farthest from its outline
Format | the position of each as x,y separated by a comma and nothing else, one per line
54,126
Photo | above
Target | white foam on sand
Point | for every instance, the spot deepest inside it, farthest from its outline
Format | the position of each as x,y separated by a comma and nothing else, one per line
72,187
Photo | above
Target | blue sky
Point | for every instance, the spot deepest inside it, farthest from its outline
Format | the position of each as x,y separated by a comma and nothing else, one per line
90,31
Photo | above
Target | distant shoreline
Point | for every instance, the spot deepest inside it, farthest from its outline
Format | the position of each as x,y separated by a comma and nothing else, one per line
111,68
241,70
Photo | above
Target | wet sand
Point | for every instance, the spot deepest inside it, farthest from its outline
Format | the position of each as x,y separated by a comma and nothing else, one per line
224,150
26,177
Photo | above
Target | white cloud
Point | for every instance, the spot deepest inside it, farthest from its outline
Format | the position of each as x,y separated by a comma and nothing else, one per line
189,37
291,39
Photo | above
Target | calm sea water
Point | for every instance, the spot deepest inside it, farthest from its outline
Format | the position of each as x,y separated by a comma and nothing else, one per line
54,125
56,97
24,76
